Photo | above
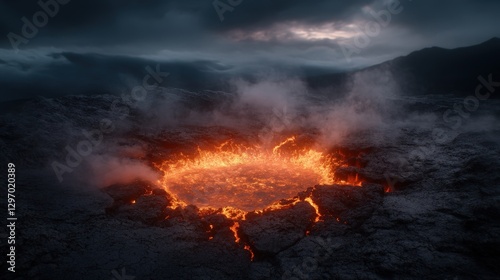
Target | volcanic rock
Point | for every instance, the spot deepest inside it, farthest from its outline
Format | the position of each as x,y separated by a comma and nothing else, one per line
274,231
128,192
147,209
348,204
444,223
344,173
138,201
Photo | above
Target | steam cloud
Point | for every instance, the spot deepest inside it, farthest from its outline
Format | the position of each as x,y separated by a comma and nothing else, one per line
267,107
369,111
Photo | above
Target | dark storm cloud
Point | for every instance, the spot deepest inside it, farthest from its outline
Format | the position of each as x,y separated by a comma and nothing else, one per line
259,14
159,22
92,23
156,24
91,45
451,23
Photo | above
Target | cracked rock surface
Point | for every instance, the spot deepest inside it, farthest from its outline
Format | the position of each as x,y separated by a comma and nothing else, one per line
441,219
272,232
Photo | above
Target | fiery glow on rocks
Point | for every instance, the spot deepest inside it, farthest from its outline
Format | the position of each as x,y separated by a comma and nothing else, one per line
246,178
239,189
239,178
316,208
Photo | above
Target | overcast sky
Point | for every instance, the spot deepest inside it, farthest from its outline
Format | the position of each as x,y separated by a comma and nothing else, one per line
232,35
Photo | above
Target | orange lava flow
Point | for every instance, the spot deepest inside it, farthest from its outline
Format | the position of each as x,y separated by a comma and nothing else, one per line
234,229
316,208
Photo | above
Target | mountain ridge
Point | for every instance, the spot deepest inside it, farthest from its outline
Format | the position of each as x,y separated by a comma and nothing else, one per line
430,70
437,69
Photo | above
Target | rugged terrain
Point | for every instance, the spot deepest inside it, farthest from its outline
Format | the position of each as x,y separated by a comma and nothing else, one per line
440,219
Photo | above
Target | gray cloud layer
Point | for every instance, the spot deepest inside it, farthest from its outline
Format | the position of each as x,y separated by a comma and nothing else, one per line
298,34
164,23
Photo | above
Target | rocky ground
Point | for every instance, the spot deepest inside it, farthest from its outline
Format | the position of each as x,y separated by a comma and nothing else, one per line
440,220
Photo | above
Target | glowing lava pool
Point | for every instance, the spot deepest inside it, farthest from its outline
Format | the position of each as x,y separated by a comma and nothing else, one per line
246,178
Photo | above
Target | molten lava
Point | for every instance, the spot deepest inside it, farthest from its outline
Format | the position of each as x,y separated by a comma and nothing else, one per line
234,179
246,177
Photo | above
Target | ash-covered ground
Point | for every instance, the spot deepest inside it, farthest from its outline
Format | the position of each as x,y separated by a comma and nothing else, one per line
439,220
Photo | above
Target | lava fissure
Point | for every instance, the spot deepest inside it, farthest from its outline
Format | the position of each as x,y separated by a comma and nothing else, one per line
237,239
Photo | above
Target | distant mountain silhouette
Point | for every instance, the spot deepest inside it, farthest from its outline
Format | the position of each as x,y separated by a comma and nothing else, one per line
446,70
433,70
